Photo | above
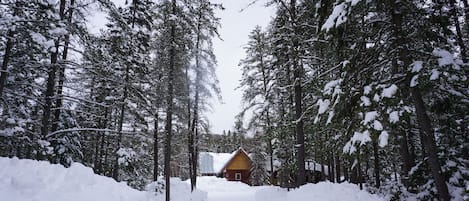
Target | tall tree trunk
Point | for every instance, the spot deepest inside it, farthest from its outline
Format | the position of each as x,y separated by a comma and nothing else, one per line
155,147
194,133
422,117
49,94
115,173
337,168
459,34
268,129
59,100
376,163
466,13
169,109
430,145
359,169
300,137
6,59
346,177
406,159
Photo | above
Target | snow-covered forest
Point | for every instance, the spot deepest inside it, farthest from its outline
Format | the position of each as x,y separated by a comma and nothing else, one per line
375,92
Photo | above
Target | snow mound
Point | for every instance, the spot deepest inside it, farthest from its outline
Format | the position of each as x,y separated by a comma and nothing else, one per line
30,180
324,191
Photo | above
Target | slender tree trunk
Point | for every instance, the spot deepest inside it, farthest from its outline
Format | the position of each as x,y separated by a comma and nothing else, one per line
190,135
337,168
271,161
330,168
300,138
155,147
422,117
52,71
265,90
466,13
115,173
169,110
6,59
59,100
194,133
346,177
359,169
376,163
430,145
459,34
406,156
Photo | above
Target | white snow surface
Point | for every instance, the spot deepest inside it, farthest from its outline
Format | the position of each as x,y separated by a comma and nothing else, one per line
417,66
30,180
390,91
445,58
219,189
323,105
324,191
210,162
383,139
394,117
370,116
414,81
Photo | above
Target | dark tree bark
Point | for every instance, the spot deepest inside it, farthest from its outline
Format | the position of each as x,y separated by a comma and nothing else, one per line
300,137
346,176
331,168
404,152
155,147
428,141
376,163
6,59
337,168
169,109
430,145
61,76
115,173
49,94
459,34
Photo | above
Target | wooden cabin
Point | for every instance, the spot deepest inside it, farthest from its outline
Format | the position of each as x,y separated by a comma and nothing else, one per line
234,166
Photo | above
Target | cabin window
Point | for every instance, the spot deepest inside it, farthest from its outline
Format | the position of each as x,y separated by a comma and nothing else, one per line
237,176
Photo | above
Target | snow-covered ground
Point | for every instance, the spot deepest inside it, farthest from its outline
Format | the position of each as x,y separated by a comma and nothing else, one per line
30,180
219,189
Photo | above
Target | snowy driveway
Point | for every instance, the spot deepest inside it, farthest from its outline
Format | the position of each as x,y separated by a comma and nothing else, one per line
218,189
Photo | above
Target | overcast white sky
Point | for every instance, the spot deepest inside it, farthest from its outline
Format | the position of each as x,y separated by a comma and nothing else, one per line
234,32
235,29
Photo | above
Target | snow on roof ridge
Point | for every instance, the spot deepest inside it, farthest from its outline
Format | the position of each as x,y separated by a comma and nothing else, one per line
219,162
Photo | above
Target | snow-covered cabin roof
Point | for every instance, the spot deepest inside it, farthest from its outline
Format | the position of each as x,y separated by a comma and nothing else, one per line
214,163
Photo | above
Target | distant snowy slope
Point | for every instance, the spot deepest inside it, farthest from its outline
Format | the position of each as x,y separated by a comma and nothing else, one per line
30,180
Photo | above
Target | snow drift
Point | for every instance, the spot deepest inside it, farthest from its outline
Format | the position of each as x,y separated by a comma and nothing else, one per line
324,191
30,180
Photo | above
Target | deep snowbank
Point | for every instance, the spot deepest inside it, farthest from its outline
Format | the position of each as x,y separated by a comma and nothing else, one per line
324,191
30,180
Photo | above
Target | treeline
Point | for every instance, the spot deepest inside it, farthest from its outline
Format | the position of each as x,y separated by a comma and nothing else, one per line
128,102
375,91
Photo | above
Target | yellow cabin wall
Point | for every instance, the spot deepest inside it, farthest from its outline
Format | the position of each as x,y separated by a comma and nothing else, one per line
239,162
